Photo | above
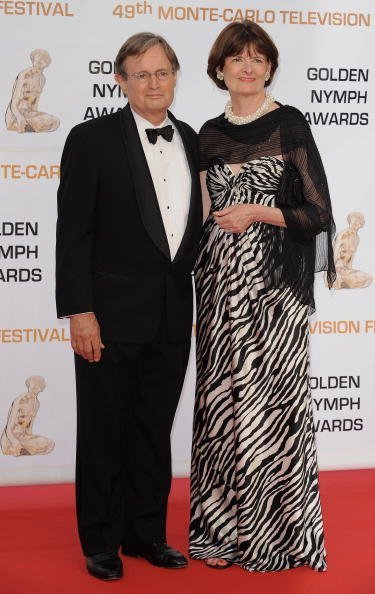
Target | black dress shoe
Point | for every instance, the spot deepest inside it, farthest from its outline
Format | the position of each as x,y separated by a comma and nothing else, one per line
157,553
105,566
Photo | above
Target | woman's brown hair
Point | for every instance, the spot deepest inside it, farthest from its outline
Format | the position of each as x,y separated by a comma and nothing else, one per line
231,42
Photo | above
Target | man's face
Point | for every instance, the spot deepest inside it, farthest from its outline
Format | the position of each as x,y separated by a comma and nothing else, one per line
150,97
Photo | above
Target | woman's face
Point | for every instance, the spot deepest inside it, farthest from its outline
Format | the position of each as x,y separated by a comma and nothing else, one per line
244,74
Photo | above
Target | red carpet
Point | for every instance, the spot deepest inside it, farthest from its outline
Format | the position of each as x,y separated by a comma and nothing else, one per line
40,553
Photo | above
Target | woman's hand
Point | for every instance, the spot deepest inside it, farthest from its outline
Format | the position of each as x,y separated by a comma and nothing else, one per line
237,218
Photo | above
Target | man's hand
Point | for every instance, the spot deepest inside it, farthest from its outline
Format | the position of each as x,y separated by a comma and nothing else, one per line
85,336
236,218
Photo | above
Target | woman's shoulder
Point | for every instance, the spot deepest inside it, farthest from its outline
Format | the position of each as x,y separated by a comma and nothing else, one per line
294,115
211,124
293,125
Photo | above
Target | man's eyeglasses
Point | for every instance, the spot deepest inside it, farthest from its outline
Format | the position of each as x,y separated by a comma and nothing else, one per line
144,76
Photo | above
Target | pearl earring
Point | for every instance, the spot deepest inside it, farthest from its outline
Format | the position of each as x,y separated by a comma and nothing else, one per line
267,75
219,75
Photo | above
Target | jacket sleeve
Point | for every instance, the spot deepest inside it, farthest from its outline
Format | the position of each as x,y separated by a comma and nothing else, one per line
76,199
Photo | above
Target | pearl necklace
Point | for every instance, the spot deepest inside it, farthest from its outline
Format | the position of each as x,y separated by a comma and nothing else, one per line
238,120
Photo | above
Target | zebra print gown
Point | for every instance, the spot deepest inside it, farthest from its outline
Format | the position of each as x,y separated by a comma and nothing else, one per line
254,486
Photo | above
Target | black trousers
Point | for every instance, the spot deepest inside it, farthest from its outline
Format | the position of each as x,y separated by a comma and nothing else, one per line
125,409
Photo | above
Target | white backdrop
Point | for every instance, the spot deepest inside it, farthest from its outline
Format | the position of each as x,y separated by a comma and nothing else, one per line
327,48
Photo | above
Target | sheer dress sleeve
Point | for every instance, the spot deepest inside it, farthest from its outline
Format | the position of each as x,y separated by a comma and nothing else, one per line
314,215
312,221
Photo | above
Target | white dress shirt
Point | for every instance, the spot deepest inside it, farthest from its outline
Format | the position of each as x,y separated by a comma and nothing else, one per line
170,174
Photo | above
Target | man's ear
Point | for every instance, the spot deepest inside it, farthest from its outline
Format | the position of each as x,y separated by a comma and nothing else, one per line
122,83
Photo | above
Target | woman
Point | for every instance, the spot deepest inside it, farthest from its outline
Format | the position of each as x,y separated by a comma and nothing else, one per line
254,486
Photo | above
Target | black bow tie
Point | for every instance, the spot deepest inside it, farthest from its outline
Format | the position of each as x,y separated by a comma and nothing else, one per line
153,133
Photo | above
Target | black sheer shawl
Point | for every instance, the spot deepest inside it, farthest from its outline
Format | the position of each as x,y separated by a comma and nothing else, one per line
293,253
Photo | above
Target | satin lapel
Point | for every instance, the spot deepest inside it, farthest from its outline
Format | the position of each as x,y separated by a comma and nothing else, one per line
143,184
195,197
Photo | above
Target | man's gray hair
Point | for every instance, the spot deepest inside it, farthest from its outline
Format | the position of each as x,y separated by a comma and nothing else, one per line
138,44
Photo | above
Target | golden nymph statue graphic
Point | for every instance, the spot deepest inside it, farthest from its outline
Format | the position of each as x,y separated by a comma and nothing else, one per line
344,249
23,113
17,438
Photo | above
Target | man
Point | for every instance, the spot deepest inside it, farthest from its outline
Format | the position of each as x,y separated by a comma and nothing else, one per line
129,222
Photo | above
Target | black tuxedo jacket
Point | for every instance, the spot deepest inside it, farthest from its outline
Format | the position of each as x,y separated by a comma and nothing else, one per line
112,253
